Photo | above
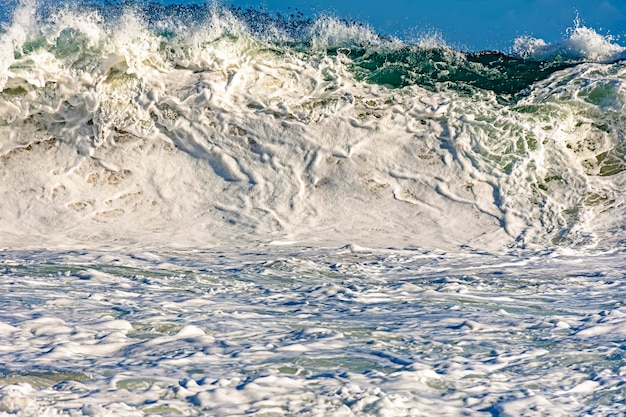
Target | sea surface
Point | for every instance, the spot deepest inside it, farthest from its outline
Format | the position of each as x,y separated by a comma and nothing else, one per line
211,211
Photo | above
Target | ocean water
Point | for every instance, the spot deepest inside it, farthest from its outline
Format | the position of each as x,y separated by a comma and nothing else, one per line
210,211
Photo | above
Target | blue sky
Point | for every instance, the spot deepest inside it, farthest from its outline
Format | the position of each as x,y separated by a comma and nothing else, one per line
469,24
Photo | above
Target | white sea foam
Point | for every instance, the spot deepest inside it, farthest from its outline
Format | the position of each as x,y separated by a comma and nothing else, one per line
191,180
311,331
215,134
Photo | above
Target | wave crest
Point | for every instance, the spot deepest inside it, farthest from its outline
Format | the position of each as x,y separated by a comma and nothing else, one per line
582,44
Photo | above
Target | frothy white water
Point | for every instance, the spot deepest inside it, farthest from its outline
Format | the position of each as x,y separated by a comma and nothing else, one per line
214,136
311,332
188,180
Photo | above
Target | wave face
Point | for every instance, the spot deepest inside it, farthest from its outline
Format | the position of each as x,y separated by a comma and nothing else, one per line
187,126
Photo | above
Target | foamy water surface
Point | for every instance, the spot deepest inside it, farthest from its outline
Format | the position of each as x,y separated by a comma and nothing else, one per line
311,332
209,211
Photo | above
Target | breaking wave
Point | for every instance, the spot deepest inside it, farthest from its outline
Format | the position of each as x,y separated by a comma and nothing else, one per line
202,125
